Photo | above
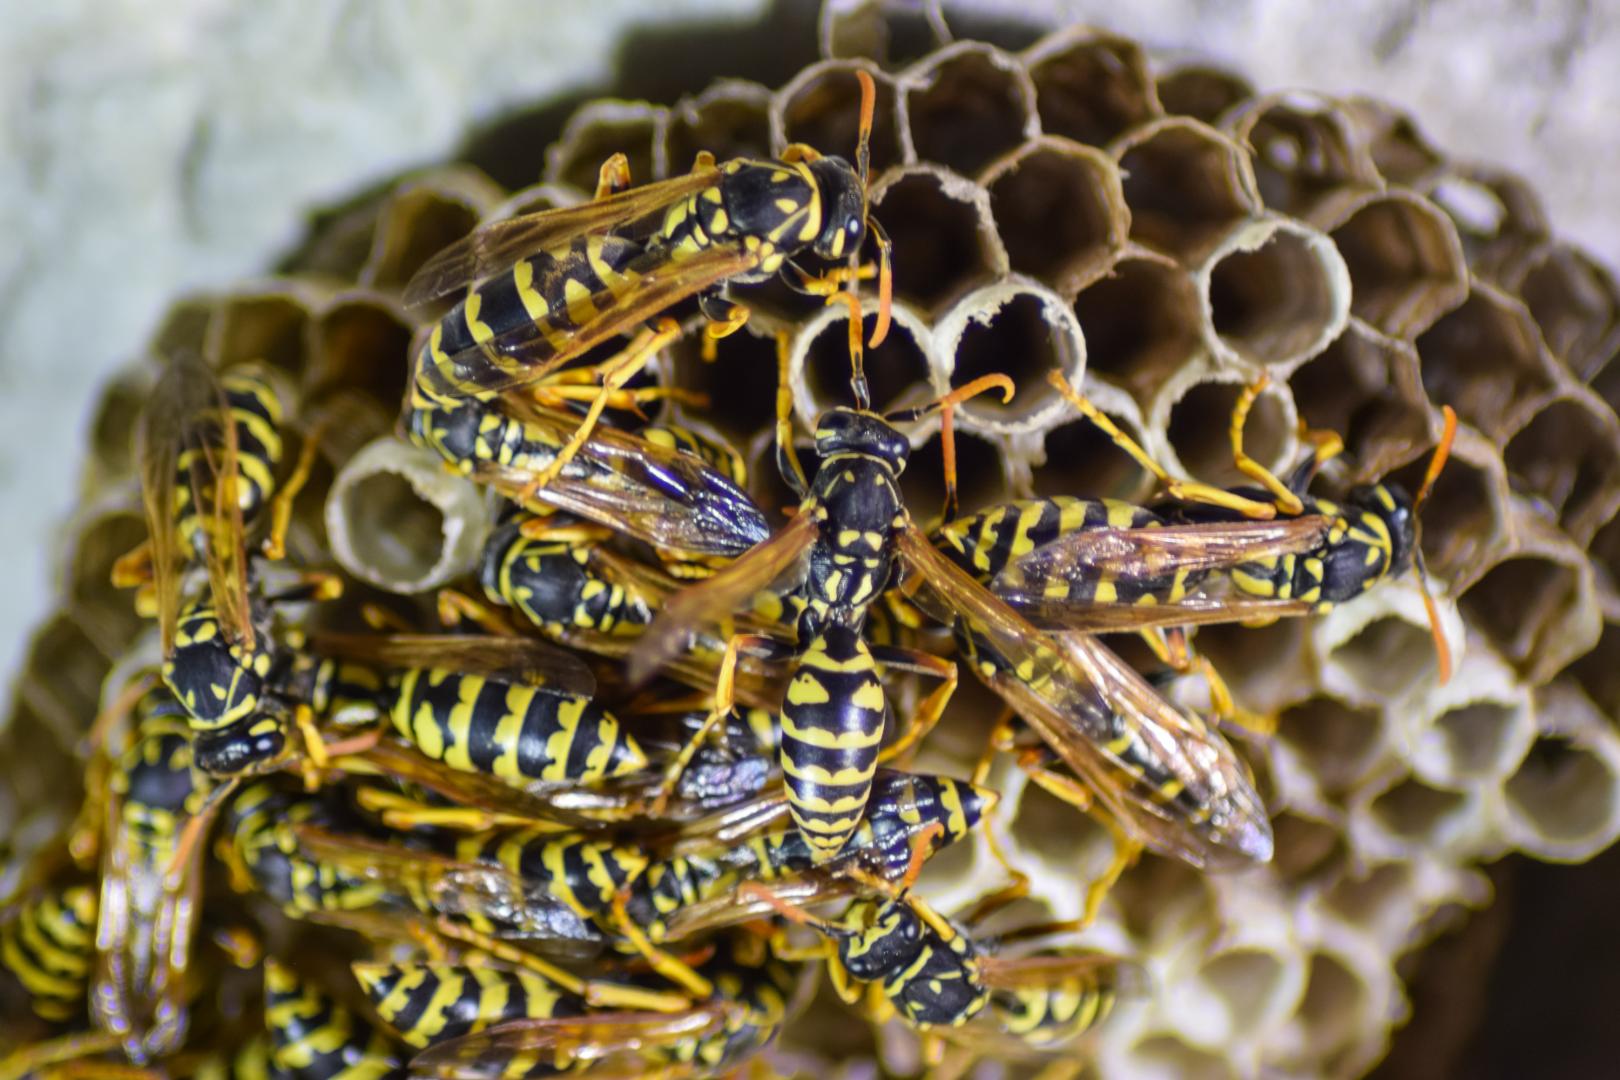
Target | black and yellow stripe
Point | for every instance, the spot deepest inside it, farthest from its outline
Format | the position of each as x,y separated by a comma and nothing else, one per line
255,411
314,1037
551,582
931,979
49,947
518,733
260,823
583,873
1051,1015
426,1003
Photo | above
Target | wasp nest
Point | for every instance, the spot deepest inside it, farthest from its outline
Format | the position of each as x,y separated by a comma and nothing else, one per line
1166,235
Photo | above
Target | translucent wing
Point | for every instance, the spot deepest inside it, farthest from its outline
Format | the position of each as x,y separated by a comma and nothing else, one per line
714,599
523,660
495,246
600,1045
522,356
467,789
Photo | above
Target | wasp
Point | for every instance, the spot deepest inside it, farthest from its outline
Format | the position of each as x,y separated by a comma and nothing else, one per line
845,544
48,945
313,1036
750,1001
548,287
209,446
427,1003
1101,565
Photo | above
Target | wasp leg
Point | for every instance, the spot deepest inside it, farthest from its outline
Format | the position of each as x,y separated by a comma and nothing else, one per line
1186,490
1225,707
797,152
456,607
613,177
281,507
311,585
1286,501
787,459
1002,740
615,372
133,568
928,710
725,317
1126,848
665,963
579,385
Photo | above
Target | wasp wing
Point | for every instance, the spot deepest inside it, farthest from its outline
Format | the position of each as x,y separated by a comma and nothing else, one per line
496,245
714,599
622,1044
522,660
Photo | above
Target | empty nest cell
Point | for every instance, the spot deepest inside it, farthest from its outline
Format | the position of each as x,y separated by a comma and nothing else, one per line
1304,149
1266,666
1141,322
1465,519
1537,607
421,218
1598,672
967,105
1569,456
359,343
1487,361
61,678
981,476
1186,185
1389,655
1477,741
1338,743
821,107
1498,216
1365,387
1252,988
897,371
596,132
1090,86
1198,430
1201,92
943,234
738,386
1335,1016
1018,329
1564,798
1060,211
1405,262
107,614
269,326
731,119
1574,301
1080,459
1275,292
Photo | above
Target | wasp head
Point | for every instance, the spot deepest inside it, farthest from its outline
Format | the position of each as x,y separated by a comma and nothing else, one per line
851,431
843,213
1393,506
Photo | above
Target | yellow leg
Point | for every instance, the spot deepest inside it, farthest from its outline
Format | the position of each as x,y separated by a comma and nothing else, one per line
281,507
1126,848
615,373
1226,708
456,607
787,459
1286,501
613,177
797,152
1186,490
558,395
1002,739
133,568
666,964
927,713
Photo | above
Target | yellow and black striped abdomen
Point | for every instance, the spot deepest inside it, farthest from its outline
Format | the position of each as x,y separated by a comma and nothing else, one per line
49,947
256,413
832,726
552,584
429,1003
585,874
313,1037
518,733
539,303
1050,1015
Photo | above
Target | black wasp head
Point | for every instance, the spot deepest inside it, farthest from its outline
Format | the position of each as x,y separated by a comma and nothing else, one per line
851,431
843,208
1393,506
237,748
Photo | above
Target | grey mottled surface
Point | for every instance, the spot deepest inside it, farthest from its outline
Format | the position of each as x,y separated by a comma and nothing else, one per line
148,149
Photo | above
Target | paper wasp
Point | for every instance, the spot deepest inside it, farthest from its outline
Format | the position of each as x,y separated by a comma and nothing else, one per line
546,288
312,1035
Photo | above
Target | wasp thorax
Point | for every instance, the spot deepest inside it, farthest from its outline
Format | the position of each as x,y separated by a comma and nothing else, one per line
850,431
843,201
1391,504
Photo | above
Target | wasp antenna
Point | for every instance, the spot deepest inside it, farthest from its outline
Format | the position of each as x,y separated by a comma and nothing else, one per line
1441,453
863,144
857,352
1442,647
885,281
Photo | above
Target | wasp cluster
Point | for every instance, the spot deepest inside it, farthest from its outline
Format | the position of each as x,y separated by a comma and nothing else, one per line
1163,235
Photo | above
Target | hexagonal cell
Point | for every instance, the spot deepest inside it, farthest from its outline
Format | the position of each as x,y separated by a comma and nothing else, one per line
1575,302
1389,654
1566,797
422,217
1365,387
599,130
361,343
1060,211
1091,86
1498,215
1254,987
1019,329
1158,896
1337,742
821,107
1569,456
739,383
52,785
1481,740
1537,607
1464,522
1487,361
1199,424
1186,184
1162,1057
1598,672
1303,147
944,237
1338,1010
61,678
1140,322
1400,152
981,477
1309,851
1080,459
1274,293
1201,92
1405,261
267,326
1423,817
106,614
897,371
112,425
967,105
1266,666
1381,900
731,119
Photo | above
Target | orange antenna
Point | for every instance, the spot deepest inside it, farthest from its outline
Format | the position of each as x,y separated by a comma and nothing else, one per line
946,406
1442,648
863,169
